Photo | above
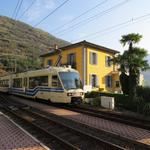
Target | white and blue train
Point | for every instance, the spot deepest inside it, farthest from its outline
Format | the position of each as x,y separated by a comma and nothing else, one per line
56,84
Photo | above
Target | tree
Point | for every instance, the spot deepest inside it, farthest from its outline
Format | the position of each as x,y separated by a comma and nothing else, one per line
131,62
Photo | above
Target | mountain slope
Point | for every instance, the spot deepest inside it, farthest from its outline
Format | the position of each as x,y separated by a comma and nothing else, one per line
18,38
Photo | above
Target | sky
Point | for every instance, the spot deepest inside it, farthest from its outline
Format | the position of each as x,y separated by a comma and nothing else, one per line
98,21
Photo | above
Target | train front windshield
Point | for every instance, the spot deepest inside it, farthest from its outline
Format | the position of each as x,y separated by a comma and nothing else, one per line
70,80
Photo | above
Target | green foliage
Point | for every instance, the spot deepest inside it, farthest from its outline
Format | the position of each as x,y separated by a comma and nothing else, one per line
92,94
146,109
124,79
131,62
96,102
18,38
121,100
133,37
144,92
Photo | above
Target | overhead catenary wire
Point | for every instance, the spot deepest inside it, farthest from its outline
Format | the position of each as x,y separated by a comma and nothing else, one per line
82,14
120,25
27,9
87,20
15,8
51,13
17,11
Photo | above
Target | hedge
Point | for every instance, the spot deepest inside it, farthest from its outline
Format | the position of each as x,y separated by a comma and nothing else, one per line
120,99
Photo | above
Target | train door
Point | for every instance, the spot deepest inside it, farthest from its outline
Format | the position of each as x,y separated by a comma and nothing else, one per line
56,89
25,84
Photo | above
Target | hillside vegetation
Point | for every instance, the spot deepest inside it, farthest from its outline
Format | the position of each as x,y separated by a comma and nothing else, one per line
24,43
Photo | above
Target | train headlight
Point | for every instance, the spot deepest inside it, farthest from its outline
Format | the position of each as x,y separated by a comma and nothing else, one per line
69,94
81,93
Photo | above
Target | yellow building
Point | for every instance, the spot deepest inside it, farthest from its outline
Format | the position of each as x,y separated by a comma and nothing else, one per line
93,63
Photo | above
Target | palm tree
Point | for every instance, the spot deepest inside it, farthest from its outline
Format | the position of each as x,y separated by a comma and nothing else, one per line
131,62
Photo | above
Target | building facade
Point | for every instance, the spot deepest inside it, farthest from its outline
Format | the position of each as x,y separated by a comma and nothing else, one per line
93,63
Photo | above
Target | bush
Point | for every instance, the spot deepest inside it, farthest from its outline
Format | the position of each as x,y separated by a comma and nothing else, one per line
96,102
146,109
92,94
144,92
121,100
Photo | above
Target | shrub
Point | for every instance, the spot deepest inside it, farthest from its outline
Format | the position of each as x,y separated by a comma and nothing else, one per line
92,94
121,100
146,109
96,102
144,92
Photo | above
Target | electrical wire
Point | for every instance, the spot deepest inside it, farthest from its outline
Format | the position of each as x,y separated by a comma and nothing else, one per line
51,13
120,25
26,10
15,9
79,24
82,14
18,9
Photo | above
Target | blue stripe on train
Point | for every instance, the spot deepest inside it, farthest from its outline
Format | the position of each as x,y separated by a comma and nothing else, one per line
32,92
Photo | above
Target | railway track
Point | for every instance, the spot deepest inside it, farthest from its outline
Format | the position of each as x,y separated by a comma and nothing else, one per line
110,137
67,136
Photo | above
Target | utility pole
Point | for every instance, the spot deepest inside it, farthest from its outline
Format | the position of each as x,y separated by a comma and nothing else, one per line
58,62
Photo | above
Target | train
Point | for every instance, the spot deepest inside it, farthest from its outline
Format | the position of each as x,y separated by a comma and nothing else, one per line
55,84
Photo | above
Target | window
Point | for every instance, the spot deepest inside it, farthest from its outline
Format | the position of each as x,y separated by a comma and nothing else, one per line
108,81
70,80
72,60
93,80
38,81
25,82
108,61
93,58
55,81
4,83
49,62
17,83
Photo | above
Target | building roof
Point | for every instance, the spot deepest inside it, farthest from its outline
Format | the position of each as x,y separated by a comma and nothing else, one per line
82,43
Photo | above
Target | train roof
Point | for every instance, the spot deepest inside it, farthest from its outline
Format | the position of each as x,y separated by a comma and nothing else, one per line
53,69
43,71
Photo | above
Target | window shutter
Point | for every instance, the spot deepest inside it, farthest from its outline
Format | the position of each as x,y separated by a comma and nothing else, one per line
68,59
105,62
96,59
97,81
91,58
110,81
106,81
90,79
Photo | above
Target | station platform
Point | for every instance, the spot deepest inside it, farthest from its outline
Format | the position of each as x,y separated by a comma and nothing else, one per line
123,130
13,137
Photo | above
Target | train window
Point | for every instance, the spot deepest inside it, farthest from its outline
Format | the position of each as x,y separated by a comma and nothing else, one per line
25,82
56,81
38,81
4,83
0,82
17,83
